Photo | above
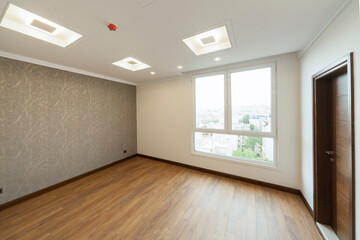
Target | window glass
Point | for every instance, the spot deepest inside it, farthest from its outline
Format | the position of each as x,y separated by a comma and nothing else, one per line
209,102
244,147
251,100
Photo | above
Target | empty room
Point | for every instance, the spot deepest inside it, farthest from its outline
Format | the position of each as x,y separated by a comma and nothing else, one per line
169,119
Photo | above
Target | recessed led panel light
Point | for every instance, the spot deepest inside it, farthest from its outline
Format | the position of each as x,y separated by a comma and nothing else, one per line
23,21
131,64
207,40
217,59
152,73
210,41
42,26
179,67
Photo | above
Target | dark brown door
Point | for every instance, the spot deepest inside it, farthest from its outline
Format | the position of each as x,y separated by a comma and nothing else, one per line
334,148
341,157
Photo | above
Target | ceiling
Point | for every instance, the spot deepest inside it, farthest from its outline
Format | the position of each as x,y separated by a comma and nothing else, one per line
153,34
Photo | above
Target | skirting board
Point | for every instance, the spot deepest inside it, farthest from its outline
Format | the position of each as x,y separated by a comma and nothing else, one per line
60,184
307,205
248,180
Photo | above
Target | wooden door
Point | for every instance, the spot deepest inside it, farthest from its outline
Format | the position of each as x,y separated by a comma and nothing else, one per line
334,158
341,156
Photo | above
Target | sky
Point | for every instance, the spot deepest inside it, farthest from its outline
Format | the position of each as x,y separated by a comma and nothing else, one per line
209,92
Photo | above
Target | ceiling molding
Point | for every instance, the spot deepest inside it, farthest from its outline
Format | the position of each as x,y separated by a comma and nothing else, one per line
145,3
61,67
323,28
178,77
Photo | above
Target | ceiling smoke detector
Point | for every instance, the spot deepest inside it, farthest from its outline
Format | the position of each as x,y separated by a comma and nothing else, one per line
112,27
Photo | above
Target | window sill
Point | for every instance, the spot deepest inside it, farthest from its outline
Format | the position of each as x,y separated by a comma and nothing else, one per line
253,163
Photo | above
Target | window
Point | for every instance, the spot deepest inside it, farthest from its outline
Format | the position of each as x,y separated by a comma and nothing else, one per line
234,114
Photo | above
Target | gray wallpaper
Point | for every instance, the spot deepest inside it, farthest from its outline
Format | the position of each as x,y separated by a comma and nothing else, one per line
55,125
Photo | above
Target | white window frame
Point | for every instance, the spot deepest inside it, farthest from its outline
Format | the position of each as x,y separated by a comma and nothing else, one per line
228,115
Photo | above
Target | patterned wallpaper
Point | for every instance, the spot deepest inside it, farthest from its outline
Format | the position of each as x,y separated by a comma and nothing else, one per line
55,125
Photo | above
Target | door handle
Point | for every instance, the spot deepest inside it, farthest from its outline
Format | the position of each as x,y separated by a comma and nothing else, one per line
330,152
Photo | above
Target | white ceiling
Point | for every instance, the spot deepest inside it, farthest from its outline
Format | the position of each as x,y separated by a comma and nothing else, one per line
153,34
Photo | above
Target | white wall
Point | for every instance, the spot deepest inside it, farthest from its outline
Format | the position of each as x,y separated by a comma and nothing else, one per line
340,38
164,124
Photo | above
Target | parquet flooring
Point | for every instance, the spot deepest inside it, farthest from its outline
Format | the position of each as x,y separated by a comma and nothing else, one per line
146,199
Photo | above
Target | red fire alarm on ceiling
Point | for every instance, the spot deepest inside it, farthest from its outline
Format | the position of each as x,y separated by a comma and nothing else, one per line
111,27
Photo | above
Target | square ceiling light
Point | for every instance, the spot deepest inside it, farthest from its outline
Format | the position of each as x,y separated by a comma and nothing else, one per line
210,41
131,64
20,20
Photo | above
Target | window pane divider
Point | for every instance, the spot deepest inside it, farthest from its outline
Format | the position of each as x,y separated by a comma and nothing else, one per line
242,133
253,134
228,101
208,130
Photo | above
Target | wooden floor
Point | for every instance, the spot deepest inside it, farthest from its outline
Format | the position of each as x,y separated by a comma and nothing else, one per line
146,199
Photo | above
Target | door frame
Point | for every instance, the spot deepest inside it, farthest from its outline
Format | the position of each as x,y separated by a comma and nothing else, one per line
345,63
